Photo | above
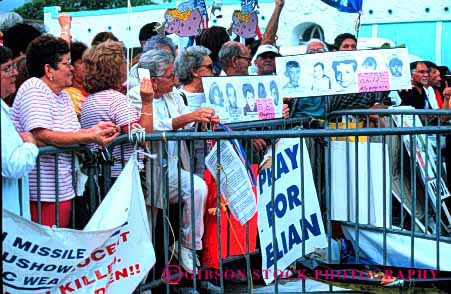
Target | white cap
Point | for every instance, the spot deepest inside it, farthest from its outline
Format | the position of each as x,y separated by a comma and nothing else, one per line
267,48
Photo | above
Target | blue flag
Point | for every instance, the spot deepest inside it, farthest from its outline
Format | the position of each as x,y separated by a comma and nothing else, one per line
345,5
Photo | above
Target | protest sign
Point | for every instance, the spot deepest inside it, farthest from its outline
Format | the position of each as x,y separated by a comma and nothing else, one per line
243,98
111,256
343,72
235,182
291,230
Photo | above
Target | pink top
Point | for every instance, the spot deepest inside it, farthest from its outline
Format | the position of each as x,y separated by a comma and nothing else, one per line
36,106
111,106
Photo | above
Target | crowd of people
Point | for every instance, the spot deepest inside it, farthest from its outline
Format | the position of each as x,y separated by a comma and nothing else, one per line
60,92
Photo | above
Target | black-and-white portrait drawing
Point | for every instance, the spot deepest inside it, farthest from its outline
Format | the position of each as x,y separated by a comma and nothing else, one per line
232,100
395,65
345,72
215,95
369,64
249,96
321,82
293,73
274,92
261,91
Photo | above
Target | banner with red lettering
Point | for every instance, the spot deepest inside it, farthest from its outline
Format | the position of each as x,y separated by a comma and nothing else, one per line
111,255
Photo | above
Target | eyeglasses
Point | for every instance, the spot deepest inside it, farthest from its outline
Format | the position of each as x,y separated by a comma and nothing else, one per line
68,62
170,77
207,66
313,51
10,68
243,57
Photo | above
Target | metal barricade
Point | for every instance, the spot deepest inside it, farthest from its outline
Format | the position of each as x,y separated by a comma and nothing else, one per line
400,219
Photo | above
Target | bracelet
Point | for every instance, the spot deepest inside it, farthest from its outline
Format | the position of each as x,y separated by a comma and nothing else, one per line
146,113
67,33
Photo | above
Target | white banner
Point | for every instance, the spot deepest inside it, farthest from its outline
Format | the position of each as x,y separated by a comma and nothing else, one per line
343,72
287,208
243,98
111,256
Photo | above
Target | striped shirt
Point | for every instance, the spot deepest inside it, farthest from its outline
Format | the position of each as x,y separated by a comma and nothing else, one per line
111,106
37,106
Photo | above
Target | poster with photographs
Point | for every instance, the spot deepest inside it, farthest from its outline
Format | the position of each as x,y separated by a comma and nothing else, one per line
243,98
343,72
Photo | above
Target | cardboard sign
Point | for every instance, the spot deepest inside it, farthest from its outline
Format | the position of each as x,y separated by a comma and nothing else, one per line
243,98
343,72
287,209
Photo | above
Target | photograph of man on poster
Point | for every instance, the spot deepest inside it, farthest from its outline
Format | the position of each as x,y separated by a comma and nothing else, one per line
345,73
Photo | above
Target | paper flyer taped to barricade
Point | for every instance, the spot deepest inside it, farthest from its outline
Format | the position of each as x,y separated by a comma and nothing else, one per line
234,181
101,259
243,98
343,72
287,208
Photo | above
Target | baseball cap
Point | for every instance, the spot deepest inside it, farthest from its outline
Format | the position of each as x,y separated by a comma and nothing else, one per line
265,49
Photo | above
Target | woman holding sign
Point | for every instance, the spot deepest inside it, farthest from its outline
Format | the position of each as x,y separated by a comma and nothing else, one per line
171,114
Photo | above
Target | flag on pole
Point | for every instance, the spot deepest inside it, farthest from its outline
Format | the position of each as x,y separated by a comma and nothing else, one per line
351,6
203,12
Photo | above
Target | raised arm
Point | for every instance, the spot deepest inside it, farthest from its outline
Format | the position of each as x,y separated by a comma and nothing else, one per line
65,21
269,37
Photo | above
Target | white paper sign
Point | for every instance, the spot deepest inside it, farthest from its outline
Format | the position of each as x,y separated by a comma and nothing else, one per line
287,209
243,98
343,72
102,259
234,181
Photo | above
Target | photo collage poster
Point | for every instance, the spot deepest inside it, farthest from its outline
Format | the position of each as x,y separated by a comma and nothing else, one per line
243,98
343,72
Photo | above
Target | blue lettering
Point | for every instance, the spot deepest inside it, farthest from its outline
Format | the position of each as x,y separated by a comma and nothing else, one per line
269,213
293,193
261,180
292,154
270,255
280,198
282,167
30,280
313,227
293,236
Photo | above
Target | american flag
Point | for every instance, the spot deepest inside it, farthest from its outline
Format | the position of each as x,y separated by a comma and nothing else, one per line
203,11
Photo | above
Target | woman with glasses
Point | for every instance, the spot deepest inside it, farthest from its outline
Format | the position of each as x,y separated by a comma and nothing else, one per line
105,72
19,150
171,114
190,66
44,109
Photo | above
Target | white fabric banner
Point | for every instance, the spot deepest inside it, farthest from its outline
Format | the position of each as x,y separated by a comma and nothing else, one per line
287,208
110,256
370,192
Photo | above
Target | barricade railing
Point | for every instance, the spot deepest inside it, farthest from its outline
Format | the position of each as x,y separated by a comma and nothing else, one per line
432,224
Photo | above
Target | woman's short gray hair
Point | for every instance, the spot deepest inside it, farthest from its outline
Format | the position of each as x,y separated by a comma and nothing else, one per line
311,41
189,59
158,42
156,61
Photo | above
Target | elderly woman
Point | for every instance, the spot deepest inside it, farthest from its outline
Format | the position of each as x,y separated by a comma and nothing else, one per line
190,66
44,109
170,113
105,72
19,150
